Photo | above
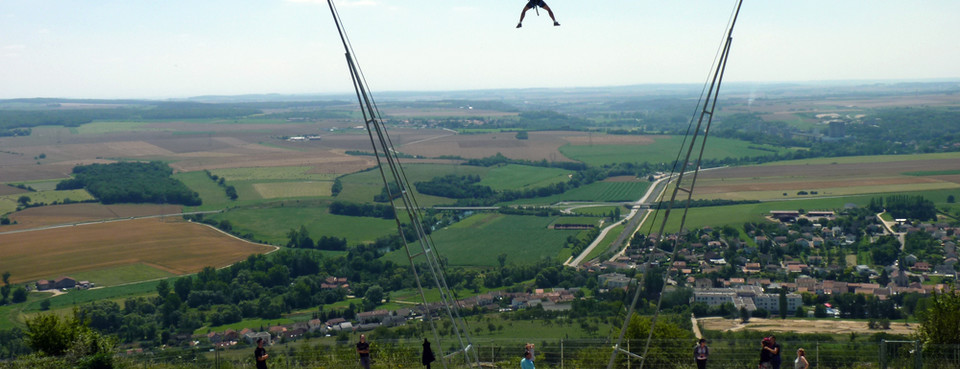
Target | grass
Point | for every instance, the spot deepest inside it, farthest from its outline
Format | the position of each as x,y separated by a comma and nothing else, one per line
478,239
605,242
271,224
96,128
597,210
577,220
663,150
518,177
213,196
124,274
8,203
293,189
254,324
363,186
297,173
932,173
597,191
13,315
869,159
831,191
736,215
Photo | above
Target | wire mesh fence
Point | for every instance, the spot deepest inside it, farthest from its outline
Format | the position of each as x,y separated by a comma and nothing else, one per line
567,354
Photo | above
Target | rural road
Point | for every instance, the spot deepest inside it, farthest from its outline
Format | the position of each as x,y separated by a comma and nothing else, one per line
633,222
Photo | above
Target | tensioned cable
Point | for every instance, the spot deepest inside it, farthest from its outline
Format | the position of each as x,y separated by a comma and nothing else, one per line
374,122
714,89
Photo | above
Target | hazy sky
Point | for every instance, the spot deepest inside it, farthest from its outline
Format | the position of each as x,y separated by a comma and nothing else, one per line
177,48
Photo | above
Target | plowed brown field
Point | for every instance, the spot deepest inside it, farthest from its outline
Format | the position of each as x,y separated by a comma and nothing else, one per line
172,245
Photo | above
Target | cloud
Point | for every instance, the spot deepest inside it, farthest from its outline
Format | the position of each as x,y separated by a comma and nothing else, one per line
14,47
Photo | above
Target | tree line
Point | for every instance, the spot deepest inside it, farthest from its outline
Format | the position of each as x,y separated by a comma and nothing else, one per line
131,182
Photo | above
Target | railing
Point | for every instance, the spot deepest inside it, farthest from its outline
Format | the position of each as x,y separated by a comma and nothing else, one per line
567,354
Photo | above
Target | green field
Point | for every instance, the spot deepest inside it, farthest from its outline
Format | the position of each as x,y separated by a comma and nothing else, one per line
736,215
211,193
597,191
121,275
271,224
932,173
518,177
577,220
363,186
605,242
96,128
8,203
293,189
478,239
43,185
663,150
14,314
299,173
599,210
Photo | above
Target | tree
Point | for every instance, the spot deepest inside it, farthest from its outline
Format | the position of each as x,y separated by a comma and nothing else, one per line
940,321
801,312
744,315
19,294
663,352
502,259
951,199
23,200
374,295
820,311
51,335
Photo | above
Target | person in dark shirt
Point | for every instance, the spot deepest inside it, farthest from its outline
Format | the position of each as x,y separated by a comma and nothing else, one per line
260,355
363,349
774,349
427,356
533,4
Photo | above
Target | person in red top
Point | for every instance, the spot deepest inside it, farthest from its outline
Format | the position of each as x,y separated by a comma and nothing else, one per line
533,4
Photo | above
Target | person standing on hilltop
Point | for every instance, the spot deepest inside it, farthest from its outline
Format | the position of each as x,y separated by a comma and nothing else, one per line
363,349
700,353
260,354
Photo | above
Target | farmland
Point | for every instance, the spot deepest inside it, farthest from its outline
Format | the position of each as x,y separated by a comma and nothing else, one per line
522,238
515,177
598,191
271,223
662,149
173,246
850,176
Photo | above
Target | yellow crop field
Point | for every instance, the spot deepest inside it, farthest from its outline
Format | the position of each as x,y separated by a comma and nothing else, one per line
172,245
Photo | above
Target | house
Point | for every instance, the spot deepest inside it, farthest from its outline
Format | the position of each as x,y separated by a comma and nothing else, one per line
252,337
59,283
614,280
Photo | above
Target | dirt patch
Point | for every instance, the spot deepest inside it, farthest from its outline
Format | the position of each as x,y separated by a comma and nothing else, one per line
76,213
832,326
10,190
172,245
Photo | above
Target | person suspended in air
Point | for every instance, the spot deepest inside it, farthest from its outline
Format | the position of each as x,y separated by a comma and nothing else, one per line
533,4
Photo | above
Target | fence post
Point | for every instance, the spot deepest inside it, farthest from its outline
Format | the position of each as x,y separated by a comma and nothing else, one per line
918,354
883,354
818,353
561,353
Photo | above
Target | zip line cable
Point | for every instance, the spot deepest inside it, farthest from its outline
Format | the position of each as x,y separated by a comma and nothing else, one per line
708,108
385,153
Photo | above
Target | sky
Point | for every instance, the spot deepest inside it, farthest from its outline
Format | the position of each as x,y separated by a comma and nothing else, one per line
181,48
